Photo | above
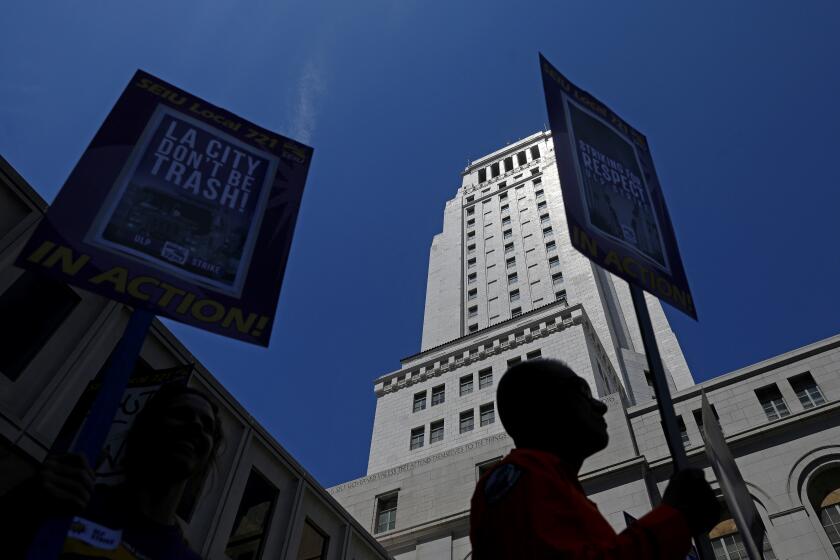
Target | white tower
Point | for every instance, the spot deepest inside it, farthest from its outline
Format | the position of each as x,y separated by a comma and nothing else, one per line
504,285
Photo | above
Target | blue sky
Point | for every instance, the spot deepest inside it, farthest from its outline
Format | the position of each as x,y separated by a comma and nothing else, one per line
739,101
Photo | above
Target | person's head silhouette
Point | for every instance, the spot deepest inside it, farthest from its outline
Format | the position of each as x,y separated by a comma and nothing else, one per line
174,438
544,405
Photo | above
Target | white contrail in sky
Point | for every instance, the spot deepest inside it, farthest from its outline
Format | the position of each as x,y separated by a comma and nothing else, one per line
305,113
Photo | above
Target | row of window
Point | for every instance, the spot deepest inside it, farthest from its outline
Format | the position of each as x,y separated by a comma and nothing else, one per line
466,383
772,402
485,379
504,196
506,164
487,416
806,389
510,262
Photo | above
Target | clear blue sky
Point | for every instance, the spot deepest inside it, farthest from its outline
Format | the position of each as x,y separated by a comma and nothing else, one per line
738,99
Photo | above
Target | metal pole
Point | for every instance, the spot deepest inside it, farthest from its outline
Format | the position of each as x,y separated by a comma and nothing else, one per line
50,537
663,400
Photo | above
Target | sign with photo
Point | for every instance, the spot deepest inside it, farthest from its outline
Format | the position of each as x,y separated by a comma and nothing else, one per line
179,207
614,204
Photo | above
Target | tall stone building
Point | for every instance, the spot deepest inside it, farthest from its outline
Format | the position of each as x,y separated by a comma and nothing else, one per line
505,285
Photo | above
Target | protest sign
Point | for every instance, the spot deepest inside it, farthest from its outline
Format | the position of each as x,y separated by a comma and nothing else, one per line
178,207
143,383
732,484
614,204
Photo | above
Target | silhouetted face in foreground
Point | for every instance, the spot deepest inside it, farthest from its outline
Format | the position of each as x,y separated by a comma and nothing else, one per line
585,415
544,405
175,440
186,435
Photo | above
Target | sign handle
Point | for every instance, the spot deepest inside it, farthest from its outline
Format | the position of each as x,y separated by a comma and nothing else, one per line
50,537
663,400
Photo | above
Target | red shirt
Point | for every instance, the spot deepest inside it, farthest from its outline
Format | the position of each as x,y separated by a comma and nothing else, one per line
532,507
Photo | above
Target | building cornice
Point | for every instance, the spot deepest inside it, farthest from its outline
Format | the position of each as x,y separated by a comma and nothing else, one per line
482,344
507,150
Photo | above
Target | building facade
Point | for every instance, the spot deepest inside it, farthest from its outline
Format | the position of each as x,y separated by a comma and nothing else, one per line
257,501
505,285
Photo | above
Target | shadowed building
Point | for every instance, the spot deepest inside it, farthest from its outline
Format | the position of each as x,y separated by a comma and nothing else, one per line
257,501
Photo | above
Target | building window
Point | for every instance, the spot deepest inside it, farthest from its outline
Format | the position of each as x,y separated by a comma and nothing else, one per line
533,355
548,233
554,262
535,152
503,196
807,390
438,394
539,193
419,402
727,544
507,234
521,159
252,518
436,431
510,262
472,294
471,278
772,402
545,219
513,361
386,512
514,295
485,378
473,327
313,543
32,308
471,263
494,170
466,385
470,210
486,466
471,222
473,311
505,208
508,248
561,296
487,414
466,421
698,414
557,279
830,519
470,249
482,175
516,312
470,234
542,205
506,221
417,435
683,431
513,278
550,246
508,164
470,198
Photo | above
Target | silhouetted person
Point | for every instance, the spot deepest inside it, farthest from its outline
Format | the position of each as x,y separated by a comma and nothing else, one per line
173,440
532,506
